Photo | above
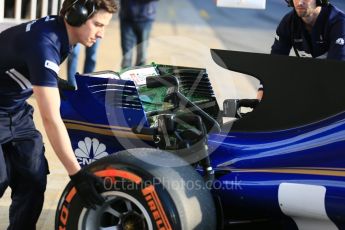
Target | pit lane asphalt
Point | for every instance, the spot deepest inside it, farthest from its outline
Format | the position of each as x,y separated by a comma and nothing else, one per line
182,35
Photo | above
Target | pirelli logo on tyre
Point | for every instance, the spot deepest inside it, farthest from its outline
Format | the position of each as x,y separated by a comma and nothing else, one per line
64,213
156,208
154,205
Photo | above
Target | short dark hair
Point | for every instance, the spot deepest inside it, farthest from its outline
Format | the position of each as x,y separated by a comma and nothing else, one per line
110,6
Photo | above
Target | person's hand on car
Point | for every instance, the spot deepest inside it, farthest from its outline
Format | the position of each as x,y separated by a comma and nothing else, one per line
87,185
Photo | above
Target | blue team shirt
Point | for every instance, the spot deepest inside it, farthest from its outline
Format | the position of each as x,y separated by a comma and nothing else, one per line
327,39
30,54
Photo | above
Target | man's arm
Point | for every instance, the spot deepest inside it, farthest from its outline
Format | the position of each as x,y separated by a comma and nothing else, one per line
48,100
337,41
282,41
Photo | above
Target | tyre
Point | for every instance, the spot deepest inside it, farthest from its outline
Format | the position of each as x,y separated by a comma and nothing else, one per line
140,194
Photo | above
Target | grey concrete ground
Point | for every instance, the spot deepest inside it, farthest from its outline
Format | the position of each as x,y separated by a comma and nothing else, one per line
184,32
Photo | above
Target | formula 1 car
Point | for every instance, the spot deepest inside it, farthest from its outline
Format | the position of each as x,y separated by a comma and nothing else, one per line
156,136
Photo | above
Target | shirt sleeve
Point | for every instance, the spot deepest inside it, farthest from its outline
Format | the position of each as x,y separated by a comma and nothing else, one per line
43,61
337,41
282,42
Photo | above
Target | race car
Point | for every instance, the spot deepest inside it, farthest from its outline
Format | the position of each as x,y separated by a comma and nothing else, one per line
157,137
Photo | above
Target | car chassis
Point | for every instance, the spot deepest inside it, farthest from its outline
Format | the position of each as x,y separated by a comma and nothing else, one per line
280,166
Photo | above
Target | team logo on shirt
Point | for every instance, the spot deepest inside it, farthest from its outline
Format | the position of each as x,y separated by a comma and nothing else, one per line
90,150
304,54
340,41
277,37
52,65
298,40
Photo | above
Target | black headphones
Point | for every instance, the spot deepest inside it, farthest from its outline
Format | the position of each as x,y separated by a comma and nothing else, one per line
79,11
318,2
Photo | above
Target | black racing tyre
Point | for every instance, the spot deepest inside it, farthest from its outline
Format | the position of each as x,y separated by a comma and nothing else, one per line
141,195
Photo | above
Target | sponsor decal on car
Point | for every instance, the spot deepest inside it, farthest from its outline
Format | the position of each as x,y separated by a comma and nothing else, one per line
90,150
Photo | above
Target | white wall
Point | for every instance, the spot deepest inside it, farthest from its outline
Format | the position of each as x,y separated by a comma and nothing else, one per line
41,8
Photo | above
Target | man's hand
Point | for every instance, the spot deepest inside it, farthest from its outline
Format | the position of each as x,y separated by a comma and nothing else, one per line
86,184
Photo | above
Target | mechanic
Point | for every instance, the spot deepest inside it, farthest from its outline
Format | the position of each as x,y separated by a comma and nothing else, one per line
314,28
29,64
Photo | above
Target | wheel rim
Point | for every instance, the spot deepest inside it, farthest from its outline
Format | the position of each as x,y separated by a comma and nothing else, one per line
120,211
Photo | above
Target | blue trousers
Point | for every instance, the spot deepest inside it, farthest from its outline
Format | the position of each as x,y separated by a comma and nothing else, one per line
134,35
23,167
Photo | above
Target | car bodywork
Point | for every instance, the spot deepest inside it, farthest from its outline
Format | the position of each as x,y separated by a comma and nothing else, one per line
282,164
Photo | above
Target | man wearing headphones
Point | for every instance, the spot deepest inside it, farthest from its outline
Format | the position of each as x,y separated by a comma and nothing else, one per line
29,64
314,28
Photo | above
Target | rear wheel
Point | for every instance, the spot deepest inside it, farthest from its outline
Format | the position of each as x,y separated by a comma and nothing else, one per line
140,194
